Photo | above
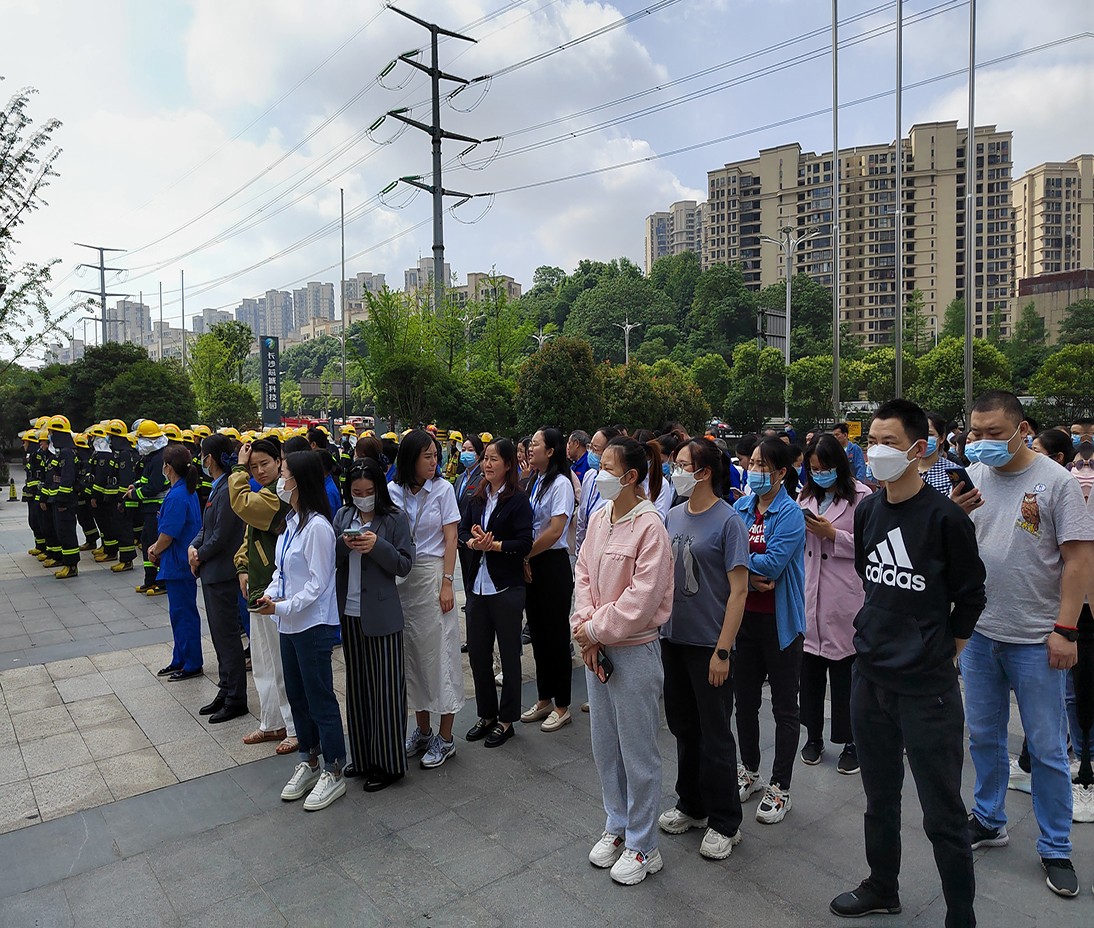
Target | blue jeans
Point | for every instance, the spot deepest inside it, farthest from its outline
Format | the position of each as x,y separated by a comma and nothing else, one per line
991,669
309,686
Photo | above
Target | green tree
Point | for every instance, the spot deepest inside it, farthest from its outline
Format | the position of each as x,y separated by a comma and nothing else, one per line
148,389
713,377
811,388
650,351
480,400
723,311
758,386
598,313
1027,348
917,335
95,370
558,385
412,390
676,276
231,404
810,314
310,358
953,320
239,341
206,364
1063,386
547,277
875,374
644,396
941,380
1077,326
506,335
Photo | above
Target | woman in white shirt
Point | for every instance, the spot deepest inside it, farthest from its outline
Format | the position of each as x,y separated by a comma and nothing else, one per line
301,598
550,580
431,636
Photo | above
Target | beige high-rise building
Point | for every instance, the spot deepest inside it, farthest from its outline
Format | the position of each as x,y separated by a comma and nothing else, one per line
785,187
1054,218
481,287
673,232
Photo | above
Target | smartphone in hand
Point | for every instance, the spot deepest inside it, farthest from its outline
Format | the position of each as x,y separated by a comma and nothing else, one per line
960,475
604,666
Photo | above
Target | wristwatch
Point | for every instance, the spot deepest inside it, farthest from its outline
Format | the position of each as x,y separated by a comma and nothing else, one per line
723,654
449,577
1071,634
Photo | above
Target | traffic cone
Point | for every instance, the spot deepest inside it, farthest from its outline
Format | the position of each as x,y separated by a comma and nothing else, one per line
11,491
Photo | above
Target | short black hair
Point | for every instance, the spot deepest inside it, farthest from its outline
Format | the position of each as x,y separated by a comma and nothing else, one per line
842,427
295,444
912,417
406,461
1001,401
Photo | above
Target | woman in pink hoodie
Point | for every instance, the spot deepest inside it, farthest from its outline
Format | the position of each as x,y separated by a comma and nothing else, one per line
624,587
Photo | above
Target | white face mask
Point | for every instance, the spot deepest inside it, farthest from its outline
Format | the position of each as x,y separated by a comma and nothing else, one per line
683,482
353,441
888,463
52,447
608,485
365,503
283,494
102,444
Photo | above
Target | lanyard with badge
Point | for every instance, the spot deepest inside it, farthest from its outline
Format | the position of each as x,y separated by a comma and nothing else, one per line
284,558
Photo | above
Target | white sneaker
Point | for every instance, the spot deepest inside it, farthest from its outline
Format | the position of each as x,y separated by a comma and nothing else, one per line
748,781
675,822
301,782
1082,803
1019,779
499,679
439,751
417,742
1073,766
633,866
606,851
329,788
716,846
774,806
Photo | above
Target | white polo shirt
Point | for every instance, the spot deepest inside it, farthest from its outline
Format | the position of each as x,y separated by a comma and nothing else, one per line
428,511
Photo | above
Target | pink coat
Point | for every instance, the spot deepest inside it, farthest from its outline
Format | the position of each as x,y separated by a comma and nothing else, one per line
624,577
833,590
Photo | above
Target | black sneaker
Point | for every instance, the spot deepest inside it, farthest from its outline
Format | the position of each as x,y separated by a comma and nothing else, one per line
864,900
812,752
982,836
848,761
1061,877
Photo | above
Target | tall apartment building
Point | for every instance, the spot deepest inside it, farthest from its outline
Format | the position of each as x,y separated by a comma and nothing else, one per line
673,232
277,318
420,277
482,287
314,301
786,187
252,312
207,318
362,283
1054,218
129,321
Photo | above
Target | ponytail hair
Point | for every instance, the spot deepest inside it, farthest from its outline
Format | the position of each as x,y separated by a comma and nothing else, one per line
182,463
634,457
219,448
654,456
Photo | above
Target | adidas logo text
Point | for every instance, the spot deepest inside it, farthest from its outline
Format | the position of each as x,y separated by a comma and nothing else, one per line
890,565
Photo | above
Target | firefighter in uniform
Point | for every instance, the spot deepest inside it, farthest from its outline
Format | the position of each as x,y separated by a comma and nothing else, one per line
345,450
127,509
30,487
104,493
149,489
85,514
47,456
192,444
64,492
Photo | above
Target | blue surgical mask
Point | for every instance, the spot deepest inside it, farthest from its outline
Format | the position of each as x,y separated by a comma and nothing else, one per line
1076,440
759,483
666,468
993,452
824,478
594,460
468,458
932,445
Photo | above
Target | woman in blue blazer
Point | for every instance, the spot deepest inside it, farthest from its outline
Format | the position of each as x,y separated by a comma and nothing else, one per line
373,549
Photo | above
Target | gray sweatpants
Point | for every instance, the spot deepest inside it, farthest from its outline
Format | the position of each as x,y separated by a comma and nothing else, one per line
624,717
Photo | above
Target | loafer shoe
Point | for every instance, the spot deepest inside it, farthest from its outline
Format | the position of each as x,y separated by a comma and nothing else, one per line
227,713
185,675
480,729
536,714
499,734
554,721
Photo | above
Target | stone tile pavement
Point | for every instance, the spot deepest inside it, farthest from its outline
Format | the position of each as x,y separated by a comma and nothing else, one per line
172,823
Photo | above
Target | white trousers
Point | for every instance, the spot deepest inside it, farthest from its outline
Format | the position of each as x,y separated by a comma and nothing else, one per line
273,705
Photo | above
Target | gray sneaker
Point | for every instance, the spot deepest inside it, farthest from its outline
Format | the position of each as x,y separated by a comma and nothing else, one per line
417,742
438,752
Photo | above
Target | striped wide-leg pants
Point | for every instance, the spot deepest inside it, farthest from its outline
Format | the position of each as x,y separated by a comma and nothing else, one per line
375,698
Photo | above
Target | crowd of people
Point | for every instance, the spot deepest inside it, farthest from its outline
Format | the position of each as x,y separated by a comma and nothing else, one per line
674,566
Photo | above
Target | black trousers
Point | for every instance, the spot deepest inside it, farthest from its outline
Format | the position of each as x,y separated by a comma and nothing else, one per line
222,613
816,674
932,730
109,519
760,658
34,520
150,531
548,606
64,525
85,515
499,618
47,521
699,716
130,526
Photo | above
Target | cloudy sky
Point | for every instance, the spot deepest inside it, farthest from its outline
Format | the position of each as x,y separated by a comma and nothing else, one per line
213,136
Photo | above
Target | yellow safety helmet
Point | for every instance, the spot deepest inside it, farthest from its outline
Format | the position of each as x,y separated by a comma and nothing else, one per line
41,422
370,433
149,428
98,430
486,438
348,429
230,432
172,431
455,434
29,435
390,436
188,437
249,435
59,424
202,431
117,427
80,440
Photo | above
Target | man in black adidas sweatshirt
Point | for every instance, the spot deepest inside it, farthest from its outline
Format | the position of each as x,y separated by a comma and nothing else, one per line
916,553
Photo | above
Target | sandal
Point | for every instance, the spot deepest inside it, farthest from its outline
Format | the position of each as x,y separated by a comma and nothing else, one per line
288,746
259,736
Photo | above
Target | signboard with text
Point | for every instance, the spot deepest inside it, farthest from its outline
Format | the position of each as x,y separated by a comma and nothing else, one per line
270,365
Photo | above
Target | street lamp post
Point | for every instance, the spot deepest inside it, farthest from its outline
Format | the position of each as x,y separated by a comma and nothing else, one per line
540,338
788,244
627,326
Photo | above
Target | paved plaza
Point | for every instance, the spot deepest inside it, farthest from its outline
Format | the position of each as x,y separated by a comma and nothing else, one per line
120,806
